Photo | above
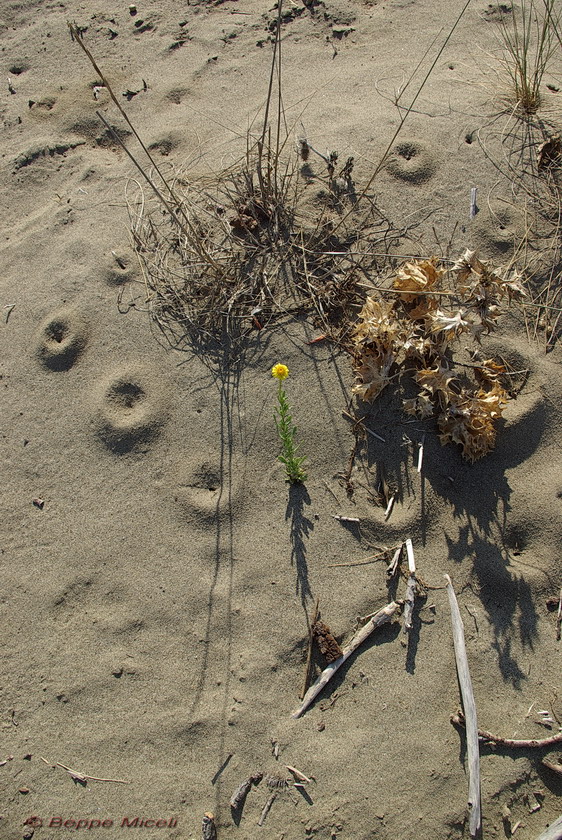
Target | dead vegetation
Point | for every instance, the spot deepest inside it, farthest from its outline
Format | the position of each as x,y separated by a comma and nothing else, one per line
285,231
412,334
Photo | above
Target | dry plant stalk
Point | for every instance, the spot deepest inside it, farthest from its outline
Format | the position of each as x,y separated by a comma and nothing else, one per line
83,778
378,619
465,683
266,808
410,331
519,743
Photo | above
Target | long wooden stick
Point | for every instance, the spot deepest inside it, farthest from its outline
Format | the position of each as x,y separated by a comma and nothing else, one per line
380,617
553,832
525,744
474,807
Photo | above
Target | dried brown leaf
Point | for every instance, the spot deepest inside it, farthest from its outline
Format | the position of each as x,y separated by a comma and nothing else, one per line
417,276
468,420
373,372
436,380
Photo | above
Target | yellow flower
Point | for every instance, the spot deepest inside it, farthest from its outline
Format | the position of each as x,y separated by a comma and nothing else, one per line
280,372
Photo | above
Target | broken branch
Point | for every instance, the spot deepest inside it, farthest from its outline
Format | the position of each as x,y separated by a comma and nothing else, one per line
531,743
379,618
267,808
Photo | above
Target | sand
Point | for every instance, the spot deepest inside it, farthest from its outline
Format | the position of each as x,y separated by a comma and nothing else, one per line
154,601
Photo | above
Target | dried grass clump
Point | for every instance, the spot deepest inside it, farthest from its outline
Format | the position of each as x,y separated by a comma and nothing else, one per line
530,38
411,333
256,248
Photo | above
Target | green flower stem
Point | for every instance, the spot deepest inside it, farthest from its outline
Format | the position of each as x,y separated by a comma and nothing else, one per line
294,464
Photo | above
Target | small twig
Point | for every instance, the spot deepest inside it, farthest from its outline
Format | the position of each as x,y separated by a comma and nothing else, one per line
559,618
411,587
474,808
267,808
392,567
374,434
552,765
376,558
329,489
359,421
8,310
473,206
83,777
420,455
353,519
380,617
410,555
523,743
389,507
298,775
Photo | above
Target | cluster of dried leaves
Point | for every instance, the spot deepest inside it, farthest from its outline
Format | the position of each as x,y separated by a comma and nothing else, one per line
412,334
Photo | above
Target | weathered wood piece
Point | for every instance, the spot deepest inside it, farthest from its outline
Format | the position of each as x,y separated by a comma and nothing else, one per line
474,806
379,618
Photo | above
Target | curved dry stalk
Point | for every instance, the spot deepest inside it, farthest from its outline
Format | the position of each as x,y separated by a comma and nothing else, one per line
513,743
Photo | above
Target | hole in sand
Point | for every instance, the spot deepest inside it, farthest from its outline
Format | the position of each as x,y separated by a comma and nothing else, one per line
407,151
126,395
58,331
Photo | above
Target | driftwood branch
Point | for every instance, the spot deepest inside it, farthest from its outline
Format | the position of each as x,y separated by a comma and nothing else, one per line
527,743
474,807
553,832
379,618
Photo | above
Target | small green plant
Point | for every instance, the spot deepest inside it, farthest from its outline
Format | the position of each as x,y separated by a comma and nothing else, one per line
294,464
530,38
